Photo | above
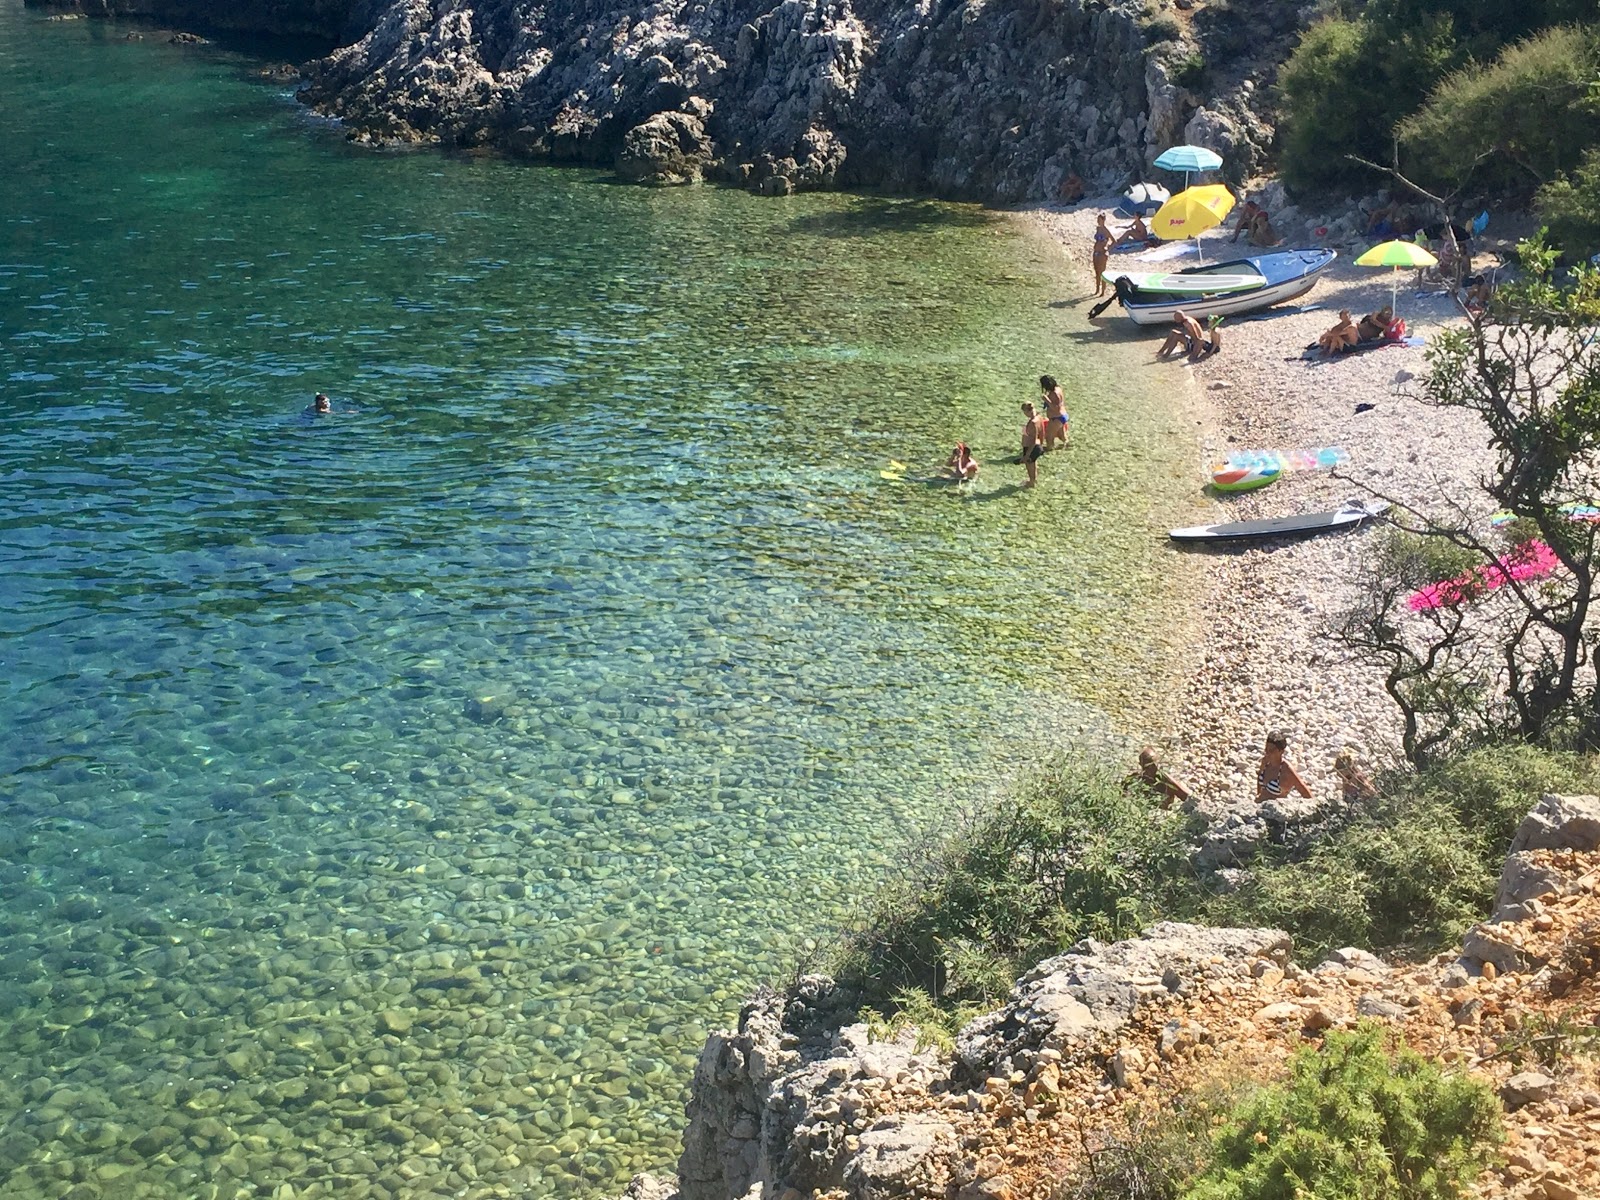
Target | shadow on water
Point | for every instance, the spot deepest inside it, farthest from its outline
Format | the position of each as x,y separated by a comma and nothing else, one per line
874,217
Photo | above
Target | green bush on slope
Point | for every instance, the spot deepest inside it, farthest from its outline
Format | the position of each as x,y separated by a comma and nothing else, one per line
1518,124
1570,206
1355,1119
1073,854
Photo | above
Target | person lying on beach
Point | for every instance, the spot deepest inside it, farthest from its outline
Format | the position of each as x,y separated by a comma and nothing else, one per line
1275,778
961,466
1151,776
1056,421
1184,335
1137,232
1341,337
1479,291
1353,781
1032,450
1375,325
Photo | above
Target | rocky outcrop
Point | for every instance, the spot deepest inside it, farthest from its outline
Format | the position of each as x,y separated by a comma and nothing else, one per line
1538,870
996,101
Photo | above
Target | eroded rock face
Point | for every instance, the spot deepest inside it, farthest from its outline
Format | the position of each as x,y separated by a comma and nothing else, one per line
1002,100
1088,994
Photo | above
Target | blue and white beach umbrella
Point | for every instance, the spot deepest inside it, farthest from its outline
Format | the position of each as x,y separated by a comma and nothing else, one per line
1189,159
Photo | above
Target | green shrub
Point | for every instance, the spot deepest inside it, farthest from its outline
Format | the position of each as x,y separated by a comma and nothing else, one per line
1570,207
1520,123
1072,854
1355,1119
1345,87
1413,869
1162,28
1190,71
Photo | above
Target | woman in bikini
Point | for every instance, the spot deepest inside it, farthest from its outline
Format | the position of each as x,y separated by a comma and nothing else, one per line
1275,778
1102,253
1056,420
1137,232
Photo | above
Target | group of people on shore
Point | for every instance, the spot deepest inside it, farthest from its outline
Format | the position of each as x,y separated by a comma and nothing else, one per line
1041,433
1348,333
1275,778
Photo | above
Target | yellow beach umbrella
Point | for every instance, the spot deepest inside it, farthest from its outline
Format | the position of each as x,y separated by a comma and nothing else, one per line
1191,212
1398,255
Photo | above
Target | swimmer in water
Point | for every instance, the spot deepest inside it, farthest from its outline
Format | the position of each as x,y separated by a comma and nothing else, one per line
321,405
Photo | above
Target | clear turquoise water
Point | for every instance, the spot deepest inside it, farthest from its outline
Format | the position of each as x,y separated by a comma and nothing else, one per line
390,801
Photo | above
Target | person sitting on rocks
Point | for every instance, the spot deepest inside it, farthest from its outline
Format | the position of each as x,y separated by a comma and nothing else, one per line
1341,337
1137,232
1185,335
1247,216
1072,189
1353,781
1151,776
1275,778
1375,325
1261,231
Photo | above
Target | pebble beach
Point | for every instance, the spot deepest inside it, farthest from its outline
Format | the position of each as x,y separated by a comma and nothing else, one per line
1263,659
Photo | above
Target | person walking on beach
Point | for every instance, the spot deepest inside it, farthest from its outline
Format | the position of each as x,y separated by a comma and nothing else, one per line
1151,776
1032,450
1275,778
1056,421
1103,238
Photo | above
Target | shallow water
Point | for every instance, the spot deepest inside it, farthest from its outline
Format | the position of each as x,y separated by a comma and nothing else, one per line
389,801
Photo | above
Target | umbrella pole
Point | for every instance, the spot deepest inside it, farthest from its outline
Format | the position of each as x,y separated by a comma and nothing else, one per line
1394,288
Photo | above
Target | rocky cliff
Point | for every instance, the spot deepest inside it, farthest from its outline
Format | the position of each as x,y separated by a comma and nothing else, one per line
982,99
992,100
800,1101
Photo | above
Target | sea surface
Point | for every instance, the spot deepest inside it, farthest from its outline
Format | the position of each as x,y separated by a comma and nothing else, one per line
391,800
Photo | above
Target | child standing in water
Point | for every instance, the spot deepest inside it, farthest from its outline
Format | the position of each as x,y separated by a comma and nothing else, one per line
1032,450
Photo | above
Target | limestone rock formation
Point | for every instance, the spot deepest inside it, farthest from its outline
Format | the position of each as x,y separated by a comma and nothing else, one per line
1093,990
998,101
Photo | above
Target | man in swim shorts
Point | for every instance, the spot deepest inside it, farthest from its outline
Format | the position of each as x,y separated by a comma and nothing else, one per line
1032,449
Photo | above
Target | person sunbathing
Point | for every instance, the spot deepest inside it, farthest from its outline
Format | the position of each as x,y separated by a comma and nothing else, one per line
1341,337
1137,232
1375,325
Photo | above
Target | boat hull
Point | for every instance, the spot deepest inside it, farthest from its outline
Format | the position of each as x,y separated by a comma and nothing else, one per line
1288,275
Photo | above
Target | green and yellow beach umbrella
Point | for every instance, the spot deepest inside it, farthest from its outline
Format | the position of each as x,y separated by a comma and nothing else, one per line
1191,212
1397,255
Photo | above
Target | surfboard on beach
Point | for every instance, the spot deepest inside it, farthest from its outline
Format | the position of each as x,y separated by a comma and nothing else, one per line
1349,516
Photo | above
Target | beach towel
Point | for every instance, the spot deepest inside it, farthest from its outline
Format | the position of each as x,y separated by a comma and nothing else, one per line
1533,560
1317,458
1134,247
1313,352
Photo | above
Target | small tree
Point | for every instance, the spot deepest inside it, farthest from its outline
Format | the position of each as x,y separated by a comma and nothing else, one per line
1434,670
1530,368
1355,1119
